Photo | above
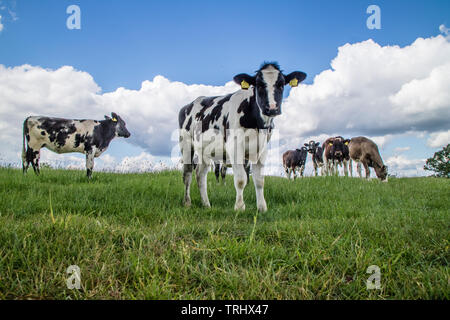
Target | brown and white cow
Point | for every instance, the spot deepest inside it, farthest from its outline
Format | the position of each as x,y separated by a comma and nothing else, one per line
364,151
91,137
336,153
233,128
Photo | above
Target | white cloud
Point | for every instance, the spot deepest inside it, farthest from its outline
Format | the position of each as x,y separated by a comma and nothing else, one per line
401,149
439,139
444,30
402,166
375,90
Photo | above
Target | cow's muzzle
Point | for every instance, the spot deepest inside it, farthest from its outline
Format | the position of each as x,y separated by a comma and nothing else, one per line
272,112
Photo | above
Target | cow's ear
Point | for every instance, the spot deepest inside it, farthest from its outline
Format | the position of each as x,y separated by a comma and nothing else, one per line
244,80
294,78
107,118
317,144
114,116
346,141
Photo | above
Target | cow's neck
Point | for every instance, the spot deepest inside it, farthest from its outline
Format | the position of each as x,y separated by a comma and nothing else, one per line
106,133
261,121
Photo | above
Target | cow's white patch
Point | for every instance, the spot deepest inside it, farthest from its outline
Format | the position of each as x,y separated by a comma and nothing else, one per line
270,77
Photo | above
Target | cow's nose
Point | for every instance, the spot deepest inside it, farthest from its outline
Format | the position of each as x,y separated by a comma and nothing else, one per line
272,106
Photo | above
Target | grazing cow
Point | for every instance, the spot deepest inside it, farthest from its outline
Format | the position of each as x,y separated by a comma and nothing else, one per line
232,128
220,169
365,151
316,154
90,137
336,153
293,159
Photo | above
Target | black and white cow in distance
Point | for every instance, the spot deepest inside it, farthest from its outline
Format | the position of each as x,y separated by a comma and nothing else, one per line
233,128
316,152
90,137
295,159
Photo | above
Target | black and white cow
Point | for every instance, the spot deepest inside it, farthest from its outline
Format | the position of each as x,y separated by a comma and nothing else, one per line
90,137
233,128
295,159
316,152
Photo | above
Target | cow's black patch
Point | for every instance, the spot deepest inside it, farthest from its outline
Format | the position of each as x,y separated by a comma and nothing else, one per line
57,129
103,134
184,112
188,125
79,139
208,102
215,113
251,119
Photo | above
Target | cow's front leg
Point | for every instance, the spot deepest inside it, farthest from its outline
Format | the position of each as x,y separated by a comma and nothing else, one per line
346,168
89,163
358,167
366,168
240,180
202,174
258,180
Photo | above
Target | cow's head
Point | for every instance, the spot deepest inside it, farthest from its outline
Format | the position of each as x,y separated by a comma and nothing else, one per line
268,84
382,172
337,149
119,125
312,146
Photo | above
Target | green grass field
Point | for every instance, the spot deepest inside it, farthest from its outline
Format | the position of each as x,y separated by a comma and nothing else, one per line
132,239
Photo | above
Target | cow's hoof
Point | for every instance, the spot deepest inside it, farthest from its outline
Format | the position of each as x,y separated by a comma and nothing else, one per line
187,203
207,205
239,206
262,207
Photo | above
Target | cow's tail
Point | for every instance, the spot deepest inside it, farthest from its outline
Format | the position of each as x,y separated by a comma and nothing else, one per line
24,147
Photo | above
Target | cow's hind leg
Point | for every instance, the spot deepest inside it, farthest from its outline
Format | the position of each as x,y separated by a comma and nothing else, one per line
33,158
240,180
258,181
187,179
217,170
202,174
223,172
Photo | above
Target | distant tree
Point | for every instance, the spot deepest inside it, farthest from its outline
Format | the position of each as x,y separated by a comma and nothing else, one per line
440,162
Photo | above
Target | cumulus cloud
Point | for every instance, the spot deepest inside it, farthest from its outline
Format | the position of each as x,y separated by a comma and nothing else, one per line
439,139
444,30
402,166
375,90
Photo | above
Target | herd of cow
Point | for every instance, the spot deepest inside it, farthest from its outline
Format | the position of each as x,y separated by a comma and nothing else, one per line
233,130
335,152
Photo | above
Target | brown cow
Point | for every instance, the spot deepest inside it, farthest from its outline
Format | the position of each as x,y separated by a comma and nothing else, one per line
365,151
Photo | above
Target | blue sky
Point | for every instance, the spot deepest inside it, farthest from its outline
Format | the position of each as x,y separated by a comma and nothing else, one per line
122,43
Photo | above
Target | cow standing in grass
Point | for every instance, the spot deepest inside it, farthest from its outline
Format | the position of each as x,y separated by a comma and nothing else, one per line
90,137
233,128
316,152
336,153
293,160
364,151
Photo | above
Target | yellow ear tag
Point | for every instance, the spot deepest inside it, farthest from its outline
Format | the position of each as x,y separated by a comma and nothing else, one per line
330,144
114,119
346,143
244,85
293,82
